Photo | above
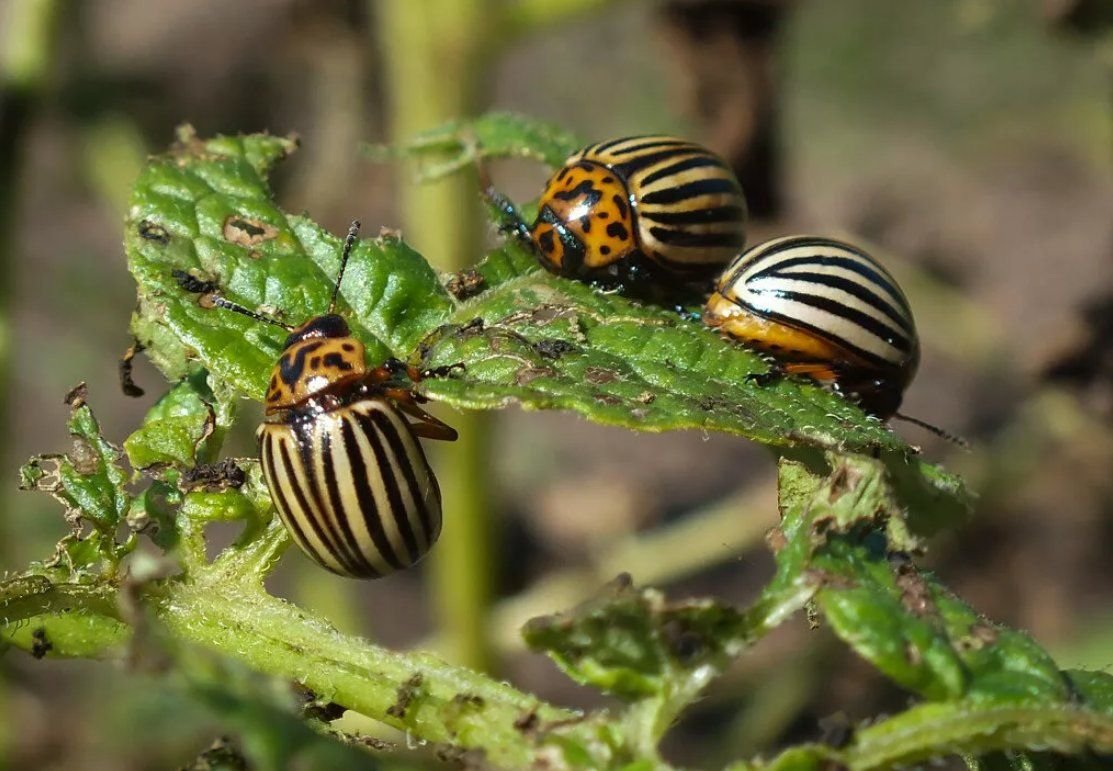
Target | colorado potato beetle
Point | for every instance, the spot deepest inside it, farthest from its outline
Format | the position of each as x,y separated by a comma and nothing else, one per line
345,468
824,309
624,211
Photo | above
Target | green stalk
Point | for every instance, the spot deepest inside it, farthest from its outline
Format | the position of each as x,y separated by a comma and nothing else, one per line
434,58
28,51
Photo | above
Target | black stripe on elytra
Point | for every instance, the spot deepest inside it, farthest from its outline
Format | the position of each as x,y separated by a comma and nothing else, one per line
864,267
279,498
680,193
428,525
329,517
361,476
389,430
336,502
705,215
307,512
699,161
863,320
795,323
853,288
629,169
604,146
650,144
291,365
695,239
390,481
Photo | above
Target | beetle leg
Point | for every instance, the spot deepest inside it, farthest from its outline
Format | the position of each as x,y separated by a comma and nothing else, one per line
815,370
761,379
427,426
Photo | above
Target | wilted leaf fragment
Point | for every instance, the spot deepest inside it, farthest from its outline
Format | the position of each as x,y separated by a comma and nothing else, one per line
448,148
874,597
633,643
175,430
89,481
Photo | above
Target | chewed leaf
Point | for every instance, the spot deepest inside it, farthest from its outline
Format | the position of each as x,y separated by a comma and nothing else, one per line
634,644
548,343
175,431
844,535
524,336
205,208
89,481
448,148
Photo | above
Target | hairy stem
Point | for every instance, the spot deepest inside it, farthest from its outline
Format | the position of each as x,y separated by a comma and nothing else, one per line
434,56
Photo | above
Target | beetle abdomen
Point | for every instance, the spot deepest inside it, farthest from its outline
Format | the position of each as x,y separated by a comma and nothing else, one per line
354,488
828,289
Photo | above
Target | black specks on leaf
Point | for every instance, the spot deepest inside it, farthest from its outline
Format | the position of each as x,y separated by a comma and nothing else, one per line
40,645
407,693
152,231
527,375
247,231
127,384
76,396
212,477
600,375
553,348
465,284
190,283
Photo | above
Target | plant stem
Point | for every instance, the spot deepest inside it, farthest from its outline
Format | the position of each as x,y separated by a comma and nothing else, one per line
415,692
434,55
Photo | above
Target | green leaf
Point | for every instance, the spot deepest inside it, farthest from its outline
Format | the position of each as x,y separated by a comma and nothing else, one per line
89,482
448,148
531,338
177,430
634,644
205,207
65,618
844,534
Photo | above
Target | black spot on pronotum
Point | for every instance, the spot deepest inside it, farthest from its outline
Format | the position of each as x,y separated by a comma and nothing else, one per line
587,189
604,250
152,231
547,241
292,365
585,223
336,361
621,205
315,362
618,231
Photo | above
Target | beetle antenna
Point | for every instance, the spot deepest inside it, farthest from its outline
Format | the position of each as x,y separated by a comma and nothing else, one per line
349,243
195,285
952,438
228,305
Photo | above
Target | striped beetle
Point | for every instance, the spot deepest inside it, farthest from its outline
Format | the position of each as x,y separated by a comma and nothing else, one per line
823,309
625,211
346,471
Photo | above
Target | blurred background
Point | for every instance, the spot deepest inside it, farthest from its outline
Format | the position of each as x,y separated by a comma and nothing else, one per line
969,141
